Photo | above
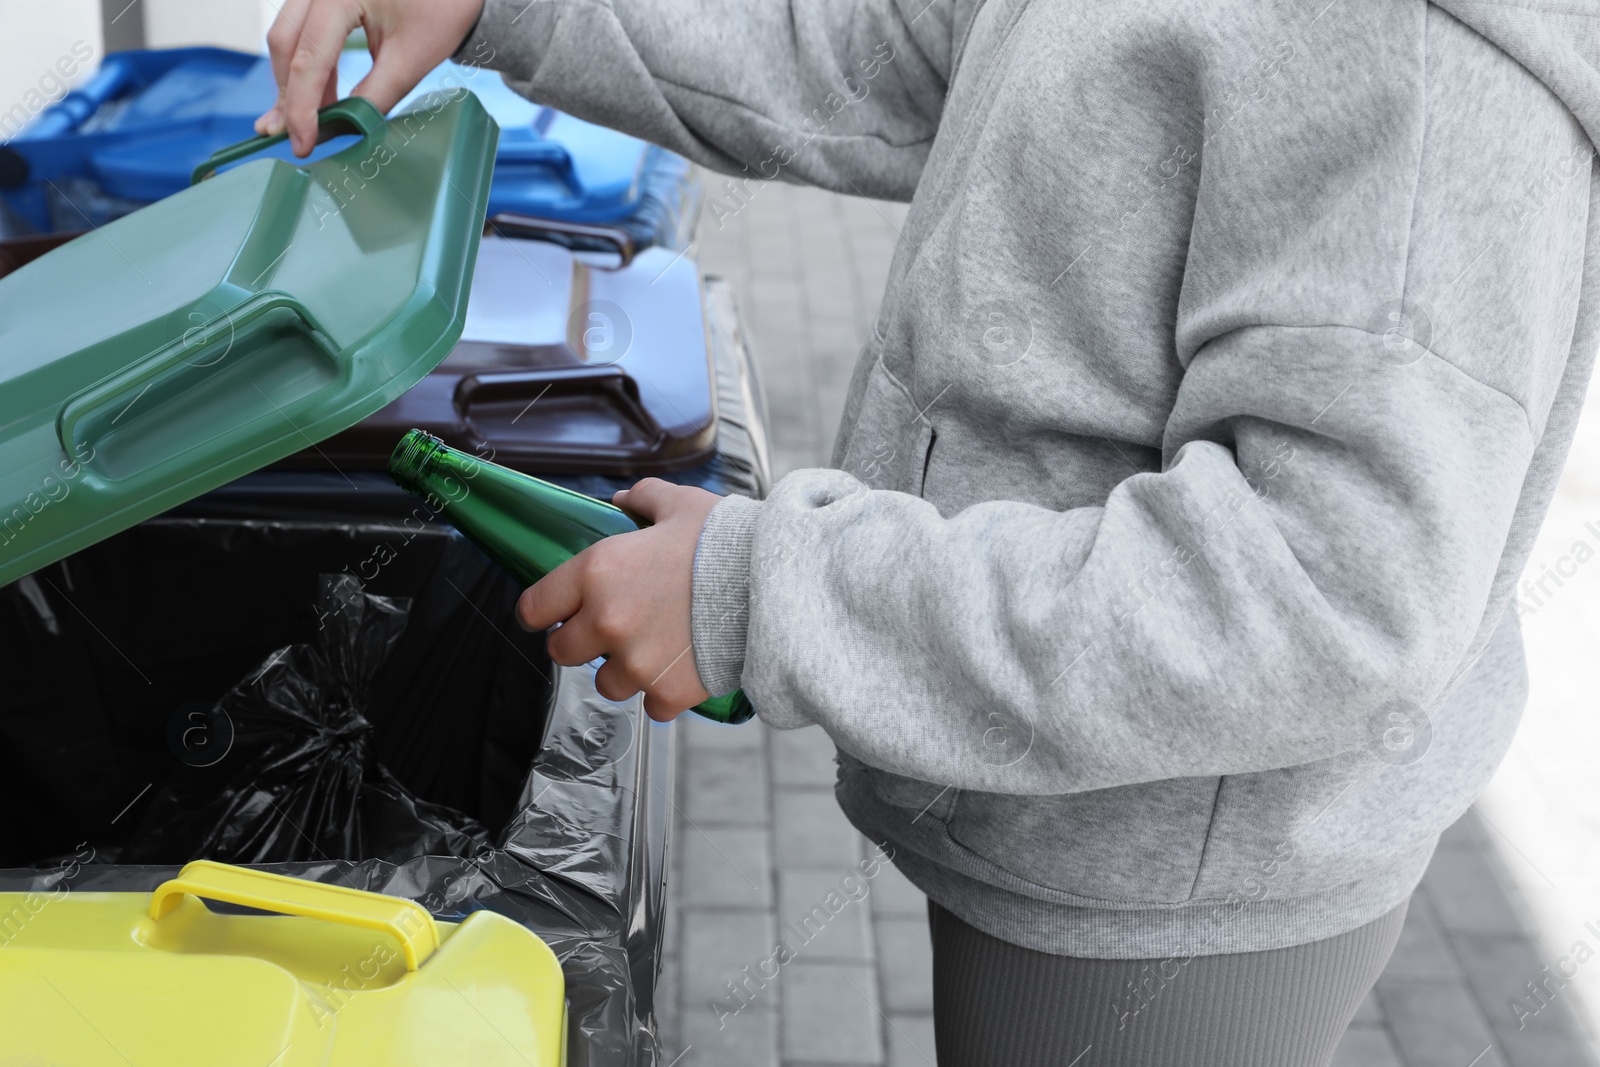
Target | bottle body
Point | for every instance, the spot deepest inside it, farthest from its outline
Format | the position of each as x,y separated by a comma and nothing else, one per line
526,525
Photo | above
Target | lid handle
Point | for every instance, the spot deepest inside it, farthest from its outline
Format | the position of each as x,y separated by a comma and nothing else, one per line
350,115
187,363
574,236
489,386
405,920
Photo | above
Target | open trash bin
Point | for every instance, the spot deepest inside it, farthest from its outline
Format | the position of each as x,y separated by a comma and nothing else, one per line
167,658
132,133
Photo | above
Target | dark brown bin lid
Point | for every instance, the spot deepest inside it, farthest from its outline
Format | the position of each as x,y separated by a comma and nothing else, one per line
535,408
15,251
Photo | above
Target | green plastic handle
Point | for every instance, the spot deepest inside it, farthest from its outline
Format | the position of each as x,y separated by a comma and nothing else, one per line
350,115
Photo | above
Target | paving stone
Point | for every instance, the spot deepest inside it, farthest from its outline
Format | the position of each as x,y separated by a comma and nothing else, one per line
1438,1024
831,394
776,294
822,244
748,1039
875,221
804,757
669,1011
911,1041
672,935
1532,1049
832,322
717,947
777,199
893,894
1466,832
905,963
1422,951
674,928
874,256
1469,894
811,831
795,440
807,305
725,865
830,1014
772,293
874,252
696,732
766,218
1499,968
788,381
1367,1046
782,342
864,320
776,298
813,928
718,243
785,460
724,787
781,417
1368,1013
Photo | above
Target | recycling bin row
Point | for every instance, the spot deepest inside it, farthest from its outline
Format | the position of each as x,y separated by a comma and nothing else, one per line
134,132
227,637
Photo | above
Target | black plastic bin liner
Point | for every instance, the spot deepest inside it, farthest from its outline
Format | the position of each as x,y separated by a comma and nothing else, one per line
115,658
104,655
305,782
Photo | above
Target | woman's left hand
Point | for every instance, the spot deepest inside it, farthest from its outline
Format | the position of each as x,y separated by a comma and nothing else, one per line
627,598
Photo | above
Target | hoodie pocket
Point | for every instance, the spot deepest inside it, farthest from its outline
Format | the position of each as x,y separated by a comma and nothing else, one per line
1138,843
925,445
927,800
890,442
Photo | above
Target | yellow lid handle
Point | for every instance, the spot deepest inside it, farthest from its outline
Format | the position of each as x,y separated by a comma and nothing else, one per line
406,921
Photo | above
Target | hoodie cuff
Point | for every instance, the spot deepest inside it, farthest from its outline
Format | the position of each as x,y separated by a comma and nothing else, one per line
510,37
719,613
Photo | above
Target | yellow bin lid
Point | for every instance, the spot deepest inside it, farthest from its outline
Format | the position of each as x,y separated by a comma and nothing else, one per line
339,977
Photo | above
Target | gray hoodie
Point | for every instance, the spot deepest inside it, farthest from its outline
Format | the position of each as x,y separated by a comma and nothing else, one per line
1160,601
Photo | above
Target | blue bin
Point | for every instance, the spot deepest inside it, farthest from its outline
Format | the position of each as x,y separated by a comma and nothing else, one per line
134,132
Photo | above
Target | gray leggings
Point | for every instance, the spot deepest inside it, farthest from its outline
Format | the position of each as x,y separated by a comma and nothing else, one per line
995,1003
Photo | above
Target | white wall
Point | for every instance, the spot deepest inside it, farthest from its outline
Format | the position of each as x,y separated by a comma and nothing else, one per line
37,39
240,24
34,38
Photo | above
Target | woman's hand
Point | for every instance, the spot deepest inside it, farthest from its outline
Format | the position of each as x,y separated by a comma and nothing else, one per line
407,38
627,598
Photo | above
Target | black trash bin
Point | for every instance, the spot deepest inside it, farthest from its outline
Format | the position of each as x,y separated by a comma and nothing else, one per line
116,657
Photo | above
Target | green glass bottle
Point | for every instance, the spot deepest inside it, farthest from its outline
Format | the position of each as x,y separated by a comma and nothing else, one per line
523,523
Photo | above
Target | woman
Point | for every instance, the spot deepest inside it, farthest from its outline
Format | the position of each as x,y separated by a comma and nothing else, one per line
1157,602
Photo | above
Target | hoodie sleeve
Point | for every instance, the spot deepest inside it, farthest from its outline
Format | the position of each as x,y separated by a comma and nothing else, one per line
844,94
1322,547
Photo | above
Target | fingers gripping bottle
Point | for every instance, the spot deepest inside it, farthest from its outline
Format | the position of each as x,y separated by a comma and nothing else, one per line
526,525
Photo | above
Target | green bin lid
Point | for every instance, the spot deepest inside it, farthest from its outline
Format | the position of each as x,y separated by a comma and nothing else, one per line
234,323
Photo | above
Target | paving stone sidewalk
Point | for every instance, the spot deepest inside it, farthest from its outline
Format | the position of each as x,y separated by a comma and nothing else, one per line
760,846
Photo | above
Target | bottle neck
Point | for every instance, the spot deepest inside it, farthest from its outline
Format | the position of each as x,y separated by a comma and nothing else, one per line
471,492
415,461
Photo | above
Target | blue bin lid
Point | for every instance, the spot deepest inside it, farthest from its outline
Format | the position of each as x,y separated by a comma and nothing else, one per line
141,124
549,163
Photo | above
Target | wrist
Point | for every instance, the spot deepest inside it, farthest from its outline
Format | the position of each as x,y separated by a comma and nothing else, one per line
720,601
